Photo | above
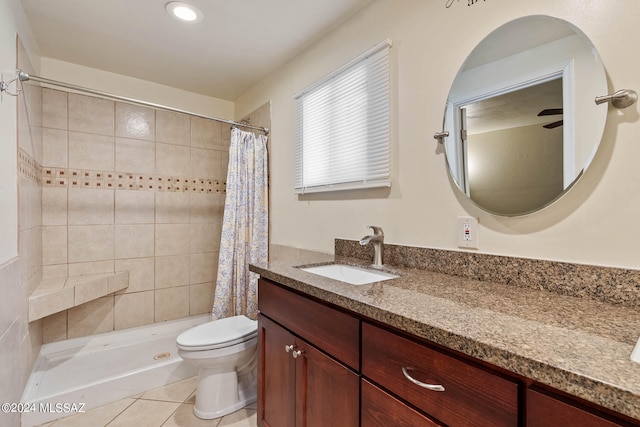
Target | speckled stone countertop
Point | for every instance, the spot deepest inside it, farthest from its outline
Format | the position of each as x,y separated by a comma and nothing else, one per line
578,345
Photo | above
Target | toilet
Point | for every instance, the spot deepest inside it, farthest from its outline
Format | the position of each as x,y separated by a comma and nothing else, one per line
224,351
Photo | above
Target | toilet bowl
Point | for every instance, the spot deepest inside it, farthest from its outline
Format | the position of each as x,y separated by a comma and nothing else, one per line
224,351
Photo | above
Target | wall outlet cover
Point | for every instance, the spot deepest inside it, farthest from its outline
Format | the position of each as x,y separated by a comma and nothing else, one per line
467,232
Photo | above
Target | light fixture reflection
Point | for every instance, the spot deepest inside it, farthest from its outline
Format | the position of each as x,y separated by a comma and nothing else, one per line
184,12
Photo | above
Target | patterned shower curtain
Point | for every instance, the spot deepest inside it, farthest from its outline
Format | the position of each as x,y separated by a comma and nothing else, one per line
245,226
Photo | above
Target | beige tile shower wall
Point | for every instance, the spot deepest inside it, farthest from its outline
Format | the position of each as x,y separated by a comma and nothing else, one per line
131,188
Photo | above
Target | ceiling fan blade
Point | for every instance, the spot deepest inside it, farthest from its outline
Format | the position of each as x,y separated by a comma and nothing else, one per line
550,112
553,125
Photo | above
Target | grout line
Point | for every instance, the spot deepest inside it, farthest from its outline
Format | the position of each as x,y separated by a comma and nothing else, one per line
121,412
170,416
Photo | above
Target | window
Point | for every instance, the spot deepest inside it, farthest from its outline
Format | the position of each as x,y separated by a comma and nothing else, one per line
342,127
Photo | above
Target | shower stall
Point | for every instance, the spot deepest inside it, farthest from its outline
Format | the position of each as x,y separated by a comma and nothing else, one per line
125,186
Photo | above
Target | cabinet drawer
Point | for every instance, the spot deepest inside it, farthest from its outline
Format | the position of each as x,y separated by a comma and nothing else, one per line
380,409
546,411
471,396
333,331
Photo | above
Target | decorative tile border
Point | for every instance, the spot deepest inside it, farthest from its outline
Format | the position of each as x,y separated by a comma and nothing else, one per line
81,178
28,168
91,179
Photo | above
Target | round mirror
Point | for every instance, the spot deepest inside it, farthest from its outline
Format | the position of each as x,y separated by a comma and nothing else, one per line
521,115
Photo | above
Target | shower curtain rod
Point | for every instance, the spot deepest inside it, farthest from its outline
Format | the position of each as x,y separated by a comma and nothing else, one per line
23,77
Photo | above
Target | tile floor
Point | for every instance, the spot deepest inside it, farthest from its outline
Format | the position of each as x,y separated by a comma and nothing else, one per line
168,406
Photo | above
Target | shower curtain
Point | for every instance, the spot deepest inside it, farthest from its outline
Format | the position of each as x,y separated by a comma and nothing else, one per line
245,226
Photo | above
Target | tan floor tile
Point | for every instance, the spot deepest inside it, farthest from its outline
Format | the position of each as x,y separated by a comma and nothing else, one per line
241,418
144,410
145,413
184,417
99,416
176,392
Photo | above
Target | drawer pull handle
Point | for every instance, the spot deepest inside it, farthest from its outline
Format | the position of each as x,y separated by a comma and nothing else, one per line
432,387
288,348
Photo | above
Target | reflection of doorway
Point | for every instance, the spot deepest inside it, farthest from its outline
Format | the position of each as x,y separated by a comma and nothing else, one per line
508,104
513,157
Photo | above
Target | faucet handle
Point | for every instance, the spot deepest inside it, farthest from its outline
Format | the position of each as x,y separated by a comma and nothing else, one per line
377,231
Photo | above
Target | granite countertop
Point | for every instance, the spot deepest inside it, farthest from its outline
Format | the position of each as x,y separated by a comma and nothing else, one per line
576,345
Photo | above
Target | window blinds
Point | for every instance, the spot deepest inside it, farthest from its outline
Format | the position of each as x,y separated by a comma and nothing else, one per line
342,127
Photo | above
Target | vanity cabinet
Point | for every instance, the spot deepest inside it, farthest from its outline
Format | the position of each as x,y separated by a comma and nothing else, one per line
321,366
308,360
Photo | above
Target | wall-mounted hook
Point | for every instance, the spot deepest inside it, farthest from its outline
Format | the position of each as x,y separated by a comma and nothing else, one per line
440,136
620,99
4,86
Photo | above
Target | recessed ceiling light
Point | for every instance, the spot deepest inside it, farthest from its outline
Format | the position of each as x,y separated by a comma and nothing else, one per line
184,12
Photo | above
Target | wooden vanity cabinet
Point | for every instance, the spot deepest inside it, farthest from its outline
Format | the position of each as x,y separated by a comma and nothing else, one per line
349,373
302,381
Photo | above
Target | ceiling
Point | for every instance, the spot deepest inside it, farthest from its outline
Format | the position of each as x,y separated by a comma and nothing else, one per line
514,109
237,44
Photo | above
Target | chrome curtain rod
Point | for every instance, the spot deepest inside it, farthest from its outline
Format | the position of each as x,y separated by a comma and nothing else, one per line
23,77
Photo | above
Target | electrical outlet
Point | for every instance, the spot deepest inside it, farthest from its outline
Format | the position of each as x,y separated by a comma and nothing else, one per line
467,231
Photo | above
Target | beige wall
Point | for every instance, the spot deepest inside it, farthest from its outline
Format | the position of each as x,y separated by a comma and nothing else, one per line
135,88
135,189
515,169
430,42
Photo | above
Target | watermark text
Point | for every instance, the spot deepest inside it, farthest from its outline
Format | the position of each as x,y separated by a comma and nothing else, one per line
48,407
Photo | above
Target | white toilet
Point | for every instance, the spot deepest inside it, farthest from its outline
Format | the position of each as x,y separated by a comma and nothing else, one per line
224,351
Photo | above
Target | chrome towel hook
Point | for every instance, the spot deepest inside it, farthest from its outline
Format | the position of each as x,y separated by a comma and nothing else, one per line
620,99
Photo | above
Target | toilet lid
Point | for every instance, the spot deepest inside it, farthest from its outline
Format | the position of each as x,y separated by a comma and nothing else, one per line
219,333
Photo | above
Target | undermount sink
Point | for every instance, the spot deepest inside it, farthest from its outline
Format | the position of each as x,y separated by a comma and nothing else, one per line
349,273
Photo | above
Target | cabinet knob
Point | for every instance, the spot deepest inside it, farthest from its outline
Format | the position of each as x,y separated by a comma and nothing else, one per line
296,353
288,348
432,387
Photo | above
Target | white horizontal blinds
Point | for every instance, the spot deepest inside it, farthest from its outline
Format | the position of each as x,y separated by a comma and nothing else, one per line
342,127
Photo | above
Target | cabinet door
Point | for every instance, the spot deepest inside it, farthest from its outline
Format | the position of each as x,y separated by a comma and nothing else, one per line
276,375
327,392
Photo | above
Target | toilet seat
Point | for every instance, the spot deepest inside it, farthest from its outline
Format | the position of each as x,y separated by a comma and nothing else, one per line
218,334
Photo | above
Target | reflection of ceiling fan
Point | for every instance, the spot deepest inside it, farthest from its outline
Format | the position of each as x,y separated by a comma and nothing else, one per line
551,112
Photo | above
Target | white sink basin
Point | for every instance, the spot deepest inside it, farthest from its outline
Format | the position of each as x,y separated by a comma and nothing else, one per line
349,273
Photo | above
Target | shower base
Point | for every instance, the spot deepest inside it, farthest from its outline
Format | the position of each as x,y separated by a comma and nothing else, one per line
83,373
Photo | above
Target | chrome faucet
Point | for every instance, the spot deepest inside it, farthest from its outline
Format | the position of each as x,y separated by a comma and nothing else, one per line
378,244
